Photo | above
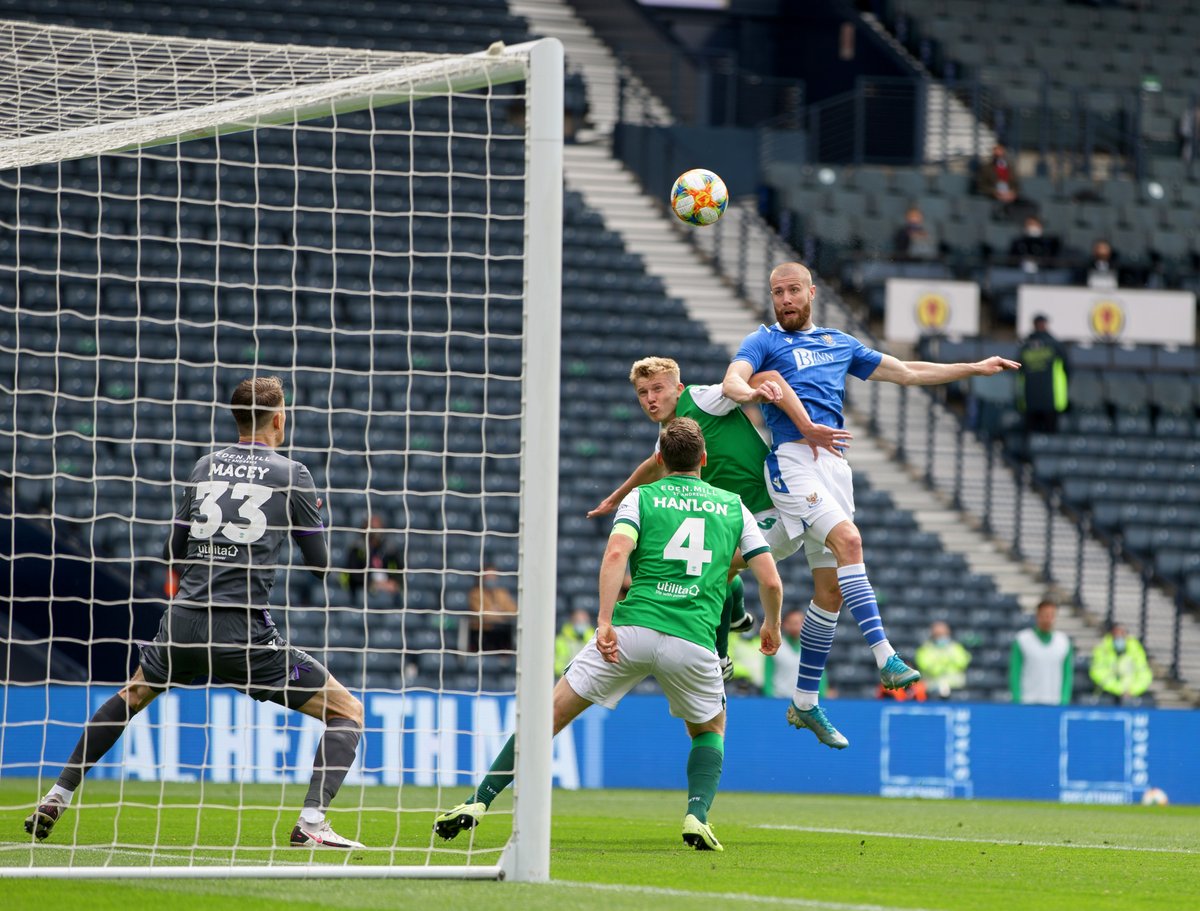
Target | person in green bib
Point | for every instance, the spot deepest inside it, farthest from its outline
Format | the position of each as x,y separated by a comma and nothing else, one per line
678,536
736,454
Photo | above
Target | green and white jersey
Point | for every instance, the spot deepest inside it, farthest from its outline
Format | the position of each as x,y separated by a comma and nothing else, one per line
736,451
685,532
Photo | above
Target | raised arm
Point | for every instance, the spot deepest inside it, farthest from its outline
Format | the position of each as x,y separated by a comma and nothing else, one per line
646,473
818,436
925,373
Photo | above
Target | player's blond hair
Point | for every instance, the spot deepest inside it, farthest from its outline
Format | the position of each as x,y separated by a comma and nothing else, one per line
653,366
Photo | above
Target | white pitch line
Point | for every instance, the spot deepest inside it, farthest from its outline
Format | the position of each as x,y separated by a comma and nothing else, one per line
736,897
1025,843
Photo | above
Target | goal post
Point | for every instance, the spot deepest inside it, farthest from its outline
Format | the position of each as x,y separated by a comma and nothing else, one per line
384,231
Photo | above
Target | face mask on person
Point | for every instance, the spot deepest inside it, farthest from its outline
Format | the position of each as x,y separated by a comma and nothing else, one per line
1119,643
941,641
1033,230
580,629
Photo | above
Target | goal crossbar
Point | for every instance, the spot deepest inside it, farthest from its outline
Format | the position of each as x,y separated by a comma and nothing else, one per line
420,76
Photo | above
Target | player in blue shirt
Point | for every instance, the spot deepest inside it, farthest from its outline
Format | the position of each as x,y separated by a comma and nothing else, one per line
815,496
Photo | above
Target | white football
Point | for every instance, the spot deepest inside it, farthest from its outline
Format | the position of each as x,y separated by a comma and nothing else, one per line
1154,797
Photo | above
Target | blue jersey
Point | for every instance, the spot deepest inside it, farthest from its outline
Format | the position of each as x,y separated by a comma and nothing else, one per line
814,363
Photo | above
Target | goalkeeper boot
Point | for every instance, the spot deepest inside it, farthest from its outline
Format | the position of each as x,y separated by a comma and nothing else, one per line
896,674
818,722
41,821
322,835
700,835
464,816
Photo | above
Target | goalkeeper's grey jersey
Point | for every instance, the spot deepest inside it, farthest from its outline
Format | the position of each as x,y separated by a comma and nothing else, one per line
239,505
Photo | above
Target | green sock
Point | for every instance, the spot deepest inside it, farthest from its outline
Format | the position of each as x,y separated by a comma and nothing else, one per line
723,626
499,776
704,773
737,591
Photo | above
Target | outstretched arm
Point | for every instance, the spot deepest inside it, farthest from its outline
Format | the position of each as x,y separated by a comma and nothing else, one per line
646,473
818,436
924,373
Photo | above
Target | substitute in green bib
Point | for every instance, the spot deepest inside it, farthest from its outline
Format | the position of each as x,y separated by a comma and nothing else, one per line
678,537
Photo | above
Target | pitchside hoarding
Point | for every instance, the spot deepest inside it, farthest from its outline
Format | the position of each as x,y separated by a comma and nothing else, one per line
940,750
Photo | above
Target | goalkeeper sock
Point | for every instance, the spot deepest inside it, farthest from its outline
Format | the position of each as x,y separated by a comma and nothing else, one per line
64,796
704,773
101,733
816,639
733,609
499,776
335,755
859,596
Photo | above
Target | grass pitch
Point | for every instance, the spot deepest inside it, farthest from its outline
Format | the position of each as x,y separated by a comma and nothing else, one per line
617,850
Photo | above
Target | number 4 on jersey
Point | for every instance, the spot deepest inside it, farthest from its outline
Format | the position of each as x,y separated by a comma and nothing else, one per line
688,544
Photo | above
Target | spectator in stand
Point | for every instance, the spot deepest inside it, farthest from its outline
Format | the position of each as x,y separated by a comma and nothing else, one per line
1034,248
749,663
997,179
1041,666
1043,378
494,612
914,239
942,661
1119,668
1100,270
376,563
571,639
1189,129
780,669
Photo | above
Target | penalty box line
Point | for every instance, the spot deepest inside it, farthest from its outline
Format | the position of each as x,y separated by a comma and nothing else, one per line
1012,842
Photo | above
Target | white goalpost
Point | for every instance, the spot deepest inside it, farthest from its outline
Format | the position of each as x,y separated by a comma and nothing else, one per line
382,231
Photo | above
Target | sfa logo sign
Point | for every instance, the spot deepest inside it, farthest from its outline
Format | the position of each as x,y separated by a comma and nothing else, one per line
422,739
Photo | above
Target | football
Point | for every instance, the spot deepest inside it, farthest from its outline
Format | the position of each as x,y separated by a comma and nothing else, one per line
1154,797
699,197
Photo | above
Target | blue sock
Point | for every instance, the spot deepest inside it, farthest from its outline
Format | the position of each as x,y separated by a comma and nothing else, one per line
858,595
816,638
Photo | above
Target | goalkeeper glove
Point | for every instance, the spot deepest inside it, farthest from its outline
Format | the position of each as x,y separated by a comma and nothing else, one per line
726,668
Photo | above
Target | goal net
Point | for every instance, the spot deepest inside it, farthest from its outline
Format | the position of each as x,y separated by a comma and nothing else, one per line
380,230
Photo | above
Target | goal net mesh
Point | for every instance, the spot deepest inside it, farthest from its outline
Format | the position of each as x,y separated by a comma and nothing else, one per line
177,216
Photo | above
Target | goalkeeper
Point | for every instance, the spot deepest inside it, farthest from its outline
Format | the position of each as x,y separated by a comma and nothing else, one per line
241,503
679,534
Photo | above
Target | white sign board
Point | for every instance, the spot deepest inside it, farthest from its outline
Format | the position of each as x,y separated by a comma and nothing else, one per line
929,306
1109,315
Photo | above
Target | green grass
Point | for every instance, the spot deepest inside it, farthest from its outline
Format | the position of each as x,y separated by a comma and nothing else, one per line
618,850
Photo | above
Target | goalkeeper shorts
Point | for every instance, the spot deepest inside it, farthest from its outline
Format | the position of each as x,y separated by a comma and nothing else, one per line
238,646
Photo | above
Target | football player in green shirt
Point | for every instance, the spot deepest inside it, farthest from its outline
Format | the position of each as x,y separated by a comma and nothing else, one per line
679,536
736,452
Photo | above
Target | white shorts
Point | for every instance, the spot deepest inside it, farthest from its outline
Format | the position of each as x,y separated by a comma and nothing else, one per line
771,524
688,673
813,494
